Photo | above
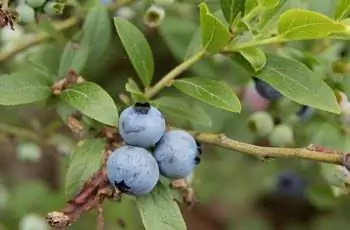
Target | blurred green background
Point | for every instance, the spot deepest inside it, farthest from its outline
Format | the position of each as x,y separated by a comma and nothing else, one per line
227,183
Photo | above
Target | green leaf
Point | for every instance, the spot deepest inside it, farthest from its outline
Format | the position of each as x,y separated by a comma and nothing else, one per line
86,159
215,93
47,26
159,211
23,88
177,37
269,17
93,101
255,56
215,35
132,87
97,31
342,9
232,8
250,5
321,196
178,108
137,48
298,83
269,4
74,57
303,24
39,68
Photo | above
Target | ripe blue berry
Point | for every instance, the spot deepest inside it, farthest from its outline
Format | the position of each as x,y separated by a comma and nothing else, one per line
141,125
267,91
304,113
177,153
132,170
290,184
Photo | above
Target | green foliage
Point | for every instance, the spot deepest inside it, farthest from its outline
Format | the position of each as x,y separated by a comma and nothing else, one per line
232,8
132,87
23,87
159,211
288,44
298,24
270,16
85,160
214,34
137,48
298,83
97,31
177,37
216,93
74,57
342,9
91,99
255,56
268,4
178,108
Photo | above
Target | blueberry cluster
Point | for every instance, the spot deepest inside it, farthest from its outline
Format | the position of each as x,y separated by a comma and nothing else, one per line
132,168
29,9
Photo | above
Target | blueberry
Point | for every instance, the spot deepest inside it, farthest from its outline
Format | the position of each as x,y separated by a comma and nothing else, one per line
35,3
141,125
177,153
26,13
304,113
265,90
281,136
290,184
132,170
261,123
53,8
154,16
252,100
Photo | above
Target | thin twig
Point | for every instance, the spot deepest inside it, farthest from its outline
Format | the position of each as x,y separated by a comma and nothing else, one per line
166,80
268,152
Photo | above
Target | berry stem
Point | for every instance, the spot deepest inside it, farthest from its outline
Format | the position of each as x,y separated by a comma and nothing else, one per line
167,79
268,152
253,43
59,26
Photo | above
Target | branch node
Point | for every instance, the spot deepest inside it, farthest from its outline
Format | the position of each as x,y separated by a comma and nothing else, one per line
223,138
345,160
186,190
69,80
57,219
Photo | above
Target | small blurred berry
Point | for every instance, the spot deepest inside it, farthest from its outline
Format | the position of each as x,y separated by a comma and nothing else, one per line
125,12
290,184
154,16
266,90
252,100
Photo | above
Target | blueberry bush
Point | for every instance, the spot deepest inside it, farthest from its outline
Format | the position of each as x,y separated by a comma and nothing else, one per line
174,114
